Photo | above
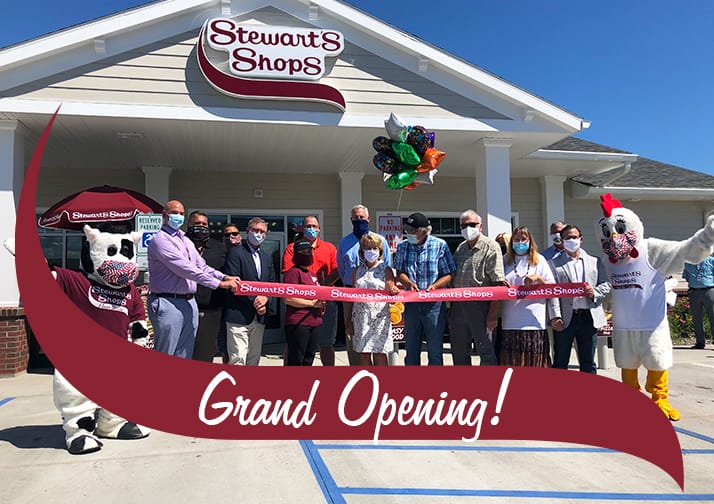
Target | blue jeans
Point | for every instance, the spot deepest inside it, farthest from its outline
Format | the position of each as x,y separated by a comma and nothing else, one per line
581,330
425,321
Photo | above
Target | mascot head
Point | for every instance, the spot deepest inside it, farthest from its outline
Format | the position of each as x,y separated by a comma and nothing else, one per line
109,258
619,231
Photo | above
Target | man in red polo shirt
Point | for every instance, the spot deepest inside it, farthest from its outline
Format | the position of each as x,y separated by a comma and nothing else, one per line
324,267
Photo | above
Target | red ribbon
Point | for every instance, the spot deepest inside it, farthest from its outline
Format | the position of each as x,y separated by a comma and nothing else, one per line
354,295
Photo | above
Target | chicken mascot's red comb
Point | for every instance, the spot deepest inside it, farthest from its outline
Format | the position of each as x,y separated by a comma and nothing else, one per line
608,204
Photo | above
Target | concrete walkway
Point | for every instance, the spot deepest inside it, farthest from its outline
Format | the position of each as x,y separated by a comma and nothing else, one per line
166,468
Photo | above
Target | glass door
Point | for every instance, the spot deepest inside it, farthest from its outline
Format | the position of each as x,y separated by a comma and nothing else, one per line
274,245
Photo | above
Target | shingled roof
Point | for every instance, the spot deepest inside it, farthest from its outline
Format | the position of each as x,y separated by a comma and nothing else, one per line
644,173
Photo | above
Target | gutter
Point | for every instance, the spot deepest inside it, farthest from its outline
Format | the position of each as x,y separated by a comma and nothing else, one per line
580,190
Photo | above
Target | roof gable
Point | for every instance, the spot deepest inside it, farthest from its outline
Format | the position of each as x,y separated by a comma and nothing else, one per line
125,31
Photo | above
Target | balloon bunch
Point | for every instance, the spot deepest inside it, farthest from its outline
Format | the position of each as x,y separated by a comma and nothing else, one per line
407,157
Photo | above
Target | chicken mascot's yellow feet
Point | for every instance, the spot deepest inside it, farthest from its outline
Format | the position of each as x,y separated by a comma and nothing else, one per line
657,386
629,377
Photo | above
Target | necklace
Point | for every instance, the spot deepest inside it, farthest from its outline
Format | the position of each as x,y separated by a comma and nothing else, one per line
515,268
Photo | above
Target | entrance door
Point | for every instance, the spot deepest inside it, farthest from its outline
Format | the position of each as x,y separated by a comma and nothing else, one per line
274,245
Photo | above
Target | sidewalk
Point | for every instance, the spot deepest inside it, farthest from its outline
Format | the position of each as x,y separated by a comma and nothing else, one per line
165,468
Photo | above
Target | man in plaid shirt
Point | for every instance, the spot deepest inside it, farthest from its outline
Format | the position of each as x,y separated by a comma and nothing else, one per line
423,262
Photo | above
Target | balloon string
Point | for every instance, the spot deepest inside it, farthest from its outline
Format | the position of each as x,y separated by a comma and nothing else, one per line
399,202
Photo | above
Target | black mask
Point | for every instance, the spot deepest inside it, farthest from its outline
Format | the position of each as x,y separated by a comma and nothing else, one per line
302,260
198,234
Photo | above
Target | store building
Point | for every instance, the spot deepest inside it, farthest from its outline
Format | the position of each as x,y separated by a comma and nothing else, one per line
150,103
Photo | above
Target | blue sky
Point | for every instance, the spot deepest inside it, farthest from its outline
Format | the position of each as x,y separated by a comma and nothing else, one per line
640,70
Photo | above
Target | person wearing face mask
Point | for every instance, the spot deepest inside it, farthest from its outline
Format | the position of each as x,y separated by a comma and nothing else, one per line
348,259
324,266
231,236
557,247
370,323
578,318
479,263
524,341
303,317
245,315
209,301
175,269
423,262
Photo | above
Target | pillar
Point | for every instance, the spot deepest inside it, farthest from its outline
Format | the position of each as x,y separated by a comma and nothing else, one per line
553,202
156,182
350,195
493,185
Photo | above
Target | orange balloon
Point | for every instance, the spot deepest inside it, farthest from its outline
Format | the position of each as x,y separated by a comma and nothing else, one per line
432,158
412,185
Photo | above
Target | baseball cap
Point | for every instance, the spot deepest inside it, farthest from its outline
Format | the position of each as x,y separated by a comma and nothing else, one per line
303,246
415,221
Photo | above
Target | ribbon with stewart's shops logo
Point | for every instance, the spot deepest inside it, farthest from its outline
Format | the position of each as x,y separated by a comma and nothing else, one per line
354,295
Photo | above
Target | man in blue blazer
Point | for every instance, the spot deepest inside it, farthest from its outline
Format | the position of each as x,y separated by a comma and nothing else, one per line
245,315
577,318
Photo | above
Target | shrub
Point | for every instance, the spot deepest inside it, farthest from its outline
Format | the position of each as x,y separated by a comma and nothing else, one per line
680,319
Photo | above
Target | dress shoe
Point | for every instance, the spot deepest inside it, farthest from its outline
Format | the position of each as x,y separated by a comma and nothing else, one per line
698,346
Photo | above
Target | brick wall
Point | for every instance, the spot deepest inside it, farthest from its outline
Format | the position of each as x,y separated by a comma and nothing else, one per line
13,341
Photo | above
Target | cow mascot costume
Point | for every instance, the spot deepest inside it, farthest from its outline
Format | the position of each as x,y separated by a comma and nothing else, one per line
637,269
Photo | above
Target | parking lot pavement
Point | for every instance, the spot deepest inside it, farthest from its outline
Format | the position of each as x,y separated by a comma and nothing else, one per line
168,468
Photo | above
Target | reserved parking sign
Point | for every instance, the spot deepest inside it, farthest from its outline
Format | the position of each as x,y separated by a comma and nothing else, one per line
148,225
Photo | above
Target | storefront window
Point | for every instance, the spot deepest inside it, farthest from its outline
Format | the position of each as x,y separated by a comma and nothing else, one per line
61,247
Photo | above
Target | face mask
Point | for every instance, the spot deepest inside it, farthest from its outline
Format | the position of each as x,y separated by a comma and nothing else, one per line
311,233
255,239
620,246
360,227
571,244
302,260
412,238
175,221
521,248
470,233
118,273
371,255
198,234
555,238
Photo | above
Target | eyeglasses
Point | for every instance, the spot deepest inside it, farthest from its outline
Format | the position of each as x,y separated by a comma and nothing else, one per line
234,233
464,225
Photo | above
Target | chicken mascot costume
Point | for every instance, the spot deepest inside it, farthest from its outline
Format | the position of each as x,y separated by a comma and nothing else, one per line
637,269
105,291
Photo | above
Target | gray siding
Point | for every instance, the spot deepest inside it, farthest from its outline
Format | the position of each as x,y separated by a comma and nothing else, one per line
166,73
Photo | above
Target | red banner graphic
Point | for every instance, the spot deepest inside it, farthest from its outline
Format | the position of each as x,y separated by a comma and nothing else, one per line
230,402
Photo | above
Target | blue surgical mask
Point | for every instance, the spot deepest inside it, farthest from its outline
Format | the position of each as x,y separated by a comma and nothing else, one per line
412,238
360,227
310,233
521,248
175,221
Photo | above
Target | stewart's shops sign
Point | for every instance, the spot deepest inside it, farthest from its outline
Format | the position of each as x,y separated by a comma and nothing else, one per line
269,62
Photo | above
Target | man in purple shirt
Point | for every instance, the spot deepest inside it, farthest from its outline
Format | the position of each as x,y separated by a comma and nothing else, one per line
175,267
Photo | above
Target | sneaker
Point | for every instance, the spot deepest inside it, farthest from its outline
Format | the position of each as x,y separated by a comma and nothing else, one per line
698,346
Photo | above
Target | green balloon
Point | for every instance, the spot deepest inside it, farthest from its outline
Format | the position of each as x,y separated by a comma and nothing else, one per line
406,153
402,179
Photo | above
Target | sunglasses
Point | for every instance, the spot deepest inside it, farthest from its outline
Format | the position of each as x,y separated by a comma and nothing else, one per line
235,233
470,224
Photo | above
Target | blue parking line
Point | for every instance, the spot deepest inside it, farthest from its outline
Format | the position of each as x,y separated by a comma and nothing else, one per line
6,400
322,473
525,494
466,448
694,434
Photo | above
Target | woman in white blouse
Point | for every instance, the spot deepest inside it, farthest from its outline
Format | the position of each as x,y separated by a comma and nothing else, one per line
524,340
